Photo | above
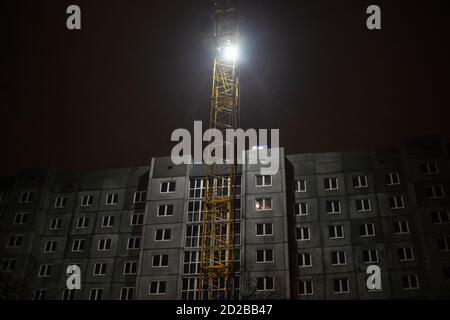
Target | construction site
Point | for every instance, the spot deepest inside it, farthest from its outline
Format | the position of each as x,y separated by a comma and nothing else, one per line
224,231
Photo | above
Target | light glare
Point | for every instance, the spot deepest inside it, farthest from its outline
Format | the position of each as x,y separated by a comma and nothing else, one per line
230,52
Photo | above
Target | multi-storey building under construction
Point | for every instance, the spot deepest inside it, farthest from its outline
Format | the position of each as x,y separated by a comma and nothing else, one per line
307,232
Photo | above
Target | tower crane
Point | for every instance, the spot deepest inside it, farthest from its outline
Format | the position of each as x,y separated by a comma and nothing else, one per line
217,261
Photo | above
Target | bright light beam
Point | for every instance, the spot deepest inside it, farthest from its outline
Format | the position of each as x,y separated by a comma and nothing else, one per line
230,52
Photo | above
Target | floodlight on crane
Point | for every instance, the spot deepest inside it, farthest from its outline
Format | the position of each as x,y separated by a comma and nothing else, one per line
230,52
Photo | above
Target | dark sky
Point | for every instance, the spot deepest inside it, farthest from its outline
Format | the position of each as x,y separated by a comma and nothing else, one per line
111,94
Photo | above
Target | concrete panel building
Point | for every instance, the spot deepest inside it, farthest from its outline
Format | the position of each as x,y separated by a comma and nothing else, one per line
308,232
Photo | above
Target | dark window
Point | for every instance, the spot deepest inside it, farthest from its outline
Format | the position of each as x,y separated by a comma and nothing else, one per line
301,208
259,229
330,183
167,187
305,287
340,285
126,293
160,260
446,271
302,233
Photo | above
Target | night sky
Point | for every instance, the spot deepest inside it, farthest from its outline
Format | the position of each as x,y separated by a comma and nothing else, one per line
110,95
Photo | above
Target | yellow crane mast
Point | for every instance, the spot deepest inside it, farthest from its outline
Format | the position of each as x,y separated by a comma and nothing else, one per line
216,278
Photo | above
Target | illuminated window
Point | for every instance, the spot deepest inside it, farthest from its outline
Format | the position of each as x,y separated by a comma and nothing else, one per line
263,204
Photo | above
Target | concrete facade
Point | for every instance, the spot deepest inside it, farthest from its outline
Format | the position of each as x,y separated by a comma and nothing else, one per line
308,232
